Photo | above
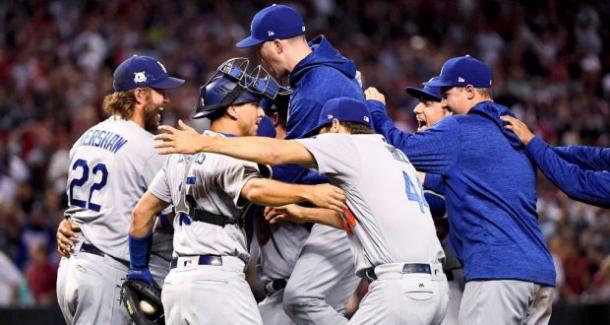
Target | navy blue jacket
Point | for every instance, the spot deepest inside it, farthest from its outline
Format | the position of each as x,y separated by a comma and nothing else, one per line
490,192
583,173
322,75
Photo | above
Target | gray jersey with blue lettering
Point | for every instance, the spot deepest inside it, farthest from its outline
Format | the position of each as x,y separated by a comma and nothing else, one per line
111,166
392,222
215,183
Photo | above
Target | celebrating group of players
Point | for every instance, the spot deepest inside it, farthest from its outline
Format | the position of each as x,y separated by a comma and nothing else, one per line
317,200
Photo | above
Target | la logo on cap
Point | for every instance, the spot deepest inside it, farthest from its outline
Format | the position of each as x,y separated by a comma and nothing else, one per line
162,66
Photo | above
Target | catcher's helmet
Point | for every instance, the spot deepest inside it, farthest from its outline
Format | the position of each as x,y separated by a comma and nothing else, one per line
233,84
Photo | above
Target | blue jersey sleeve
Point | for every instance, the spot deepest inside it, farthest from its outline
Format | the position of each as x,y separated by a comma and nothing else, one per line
589,186
432,151
586,157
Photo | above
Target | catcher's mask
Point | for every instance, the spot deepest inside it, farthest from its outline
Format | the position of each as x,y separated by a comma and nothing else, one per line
234,84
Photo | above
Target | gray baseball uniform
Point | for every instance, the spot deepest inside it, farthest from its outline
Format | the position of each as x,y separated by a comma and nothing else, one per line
198,292
329,280
504,298
111,165
323,278
280,246
394,239
455,275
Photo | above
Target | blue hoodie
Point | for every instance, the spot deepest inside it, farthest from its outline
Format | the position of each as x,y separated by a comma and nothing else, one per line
583,173
322,75
490,192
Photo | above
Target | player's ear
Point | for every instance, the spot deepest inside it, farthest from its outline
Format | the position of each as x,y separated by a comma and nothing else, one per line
231,112
275,118
470,92
140,94
278,46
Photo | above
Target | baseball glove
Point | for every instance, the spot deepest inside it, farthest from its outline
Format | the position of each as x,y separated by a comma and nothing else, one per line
143,302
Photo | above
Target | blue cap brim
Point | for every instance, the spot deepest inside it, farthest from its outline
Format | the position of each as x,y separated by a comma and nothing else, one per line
419,93
438,83
249,42
167,83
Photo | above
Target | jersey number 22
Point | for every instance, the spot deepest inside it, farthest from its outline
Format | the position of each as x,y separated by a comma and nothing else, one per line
79,182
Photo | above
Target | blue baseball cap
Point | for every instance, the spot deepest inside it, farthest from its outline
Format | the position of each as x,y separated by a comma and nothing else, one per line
427,91
142,71
273,22
462,71
344,109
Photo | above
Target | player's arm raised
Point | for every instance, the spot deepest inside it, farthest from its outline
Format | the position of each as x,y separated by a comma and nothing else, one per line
258,149
298,214
269,192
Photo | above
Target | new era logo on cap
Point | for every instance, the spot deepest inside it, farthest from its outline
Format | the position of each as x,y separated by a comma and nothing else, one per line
460,79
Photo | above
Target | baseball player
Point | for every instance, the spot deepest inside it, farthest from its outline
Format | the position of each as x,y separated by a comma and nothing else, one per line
279,244
322,280
111,166
392,235
210,193
428,112
490,190
583,173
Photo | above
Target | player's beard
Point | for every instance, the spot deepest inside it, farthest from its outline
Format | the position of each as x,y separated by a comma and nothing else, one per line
152,116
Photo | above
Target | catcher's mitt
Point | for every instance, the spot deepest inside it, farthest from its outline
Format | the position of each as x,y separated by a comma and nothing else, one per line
143,302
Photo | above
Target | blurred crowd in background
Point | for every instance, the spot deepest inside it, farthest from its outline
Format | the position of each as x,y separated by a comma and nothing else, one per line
550,60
